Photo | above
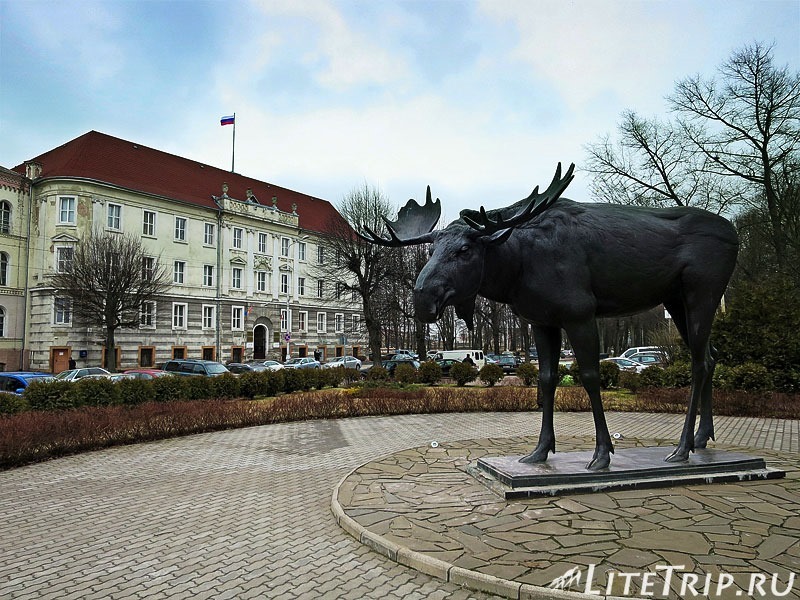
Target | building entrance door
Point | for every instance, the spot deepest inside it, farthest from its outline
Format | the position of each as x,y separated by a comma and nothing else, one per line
260,336
59,358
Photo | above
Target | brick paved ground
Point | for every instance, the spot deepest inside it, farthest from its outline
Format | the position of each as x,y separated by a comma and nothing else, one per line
246,513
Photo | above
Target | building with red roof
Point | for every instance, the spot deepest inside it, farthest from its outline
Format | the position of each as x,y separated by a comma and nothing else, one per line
241,254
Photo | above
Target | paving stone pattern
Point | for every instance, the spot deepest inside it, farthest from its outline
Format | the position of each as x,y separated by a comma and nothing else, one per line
246,513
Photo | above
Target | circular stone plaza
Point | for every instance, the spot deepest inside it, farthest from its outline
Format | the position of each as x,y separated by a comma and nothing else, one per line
387,507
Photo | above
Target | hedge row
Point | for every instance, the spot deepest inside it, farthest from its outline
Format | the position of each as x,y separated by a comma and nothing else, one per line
61,395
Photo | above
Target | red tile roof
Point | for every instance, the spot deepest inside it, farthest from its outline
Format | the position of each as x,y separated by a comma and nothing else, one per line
108,159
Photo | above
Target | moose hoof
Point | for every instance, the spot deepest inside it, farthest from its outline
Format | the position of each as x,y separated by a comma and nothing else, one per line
537,456
701,440
678,455
599,462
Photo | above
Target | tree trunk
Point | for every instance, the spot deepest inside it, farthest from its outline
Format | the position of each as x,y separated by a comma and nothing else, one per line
110,351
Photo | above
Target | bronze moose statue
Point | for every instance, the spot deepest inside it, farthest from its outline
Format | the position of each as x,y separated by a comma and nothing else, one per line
562,265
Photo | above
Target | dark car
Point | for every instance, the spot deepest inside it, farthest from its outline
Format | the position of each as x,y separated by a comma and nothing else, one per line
391,365
507,363
15,382
193,366
445,364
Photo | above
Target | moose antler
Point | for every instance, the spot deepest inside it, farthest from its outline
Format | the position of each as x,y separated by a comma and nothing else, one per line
536,203
413,225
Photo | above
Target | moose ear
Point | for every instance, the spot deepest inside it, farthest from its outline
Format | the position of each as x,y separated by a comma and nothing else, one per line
499,237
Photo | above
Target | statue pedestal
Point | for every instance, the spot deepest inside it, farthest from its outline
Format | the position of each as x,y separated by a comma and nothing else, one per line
565,473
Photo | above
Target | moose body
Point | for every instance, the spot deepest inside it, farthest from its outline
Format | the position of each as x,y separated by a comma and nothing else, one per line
562,265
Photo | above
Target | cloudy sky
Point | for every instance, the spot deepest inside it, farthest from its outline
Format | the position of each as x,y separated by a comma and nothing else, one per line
479,99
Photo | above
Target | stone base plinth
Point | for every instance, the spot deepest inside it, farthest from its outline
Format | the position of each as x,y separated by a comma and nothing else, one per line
565,473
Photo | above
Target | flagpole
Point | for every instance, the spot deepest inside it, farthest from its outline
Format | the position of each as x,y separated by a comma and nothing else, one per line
233,144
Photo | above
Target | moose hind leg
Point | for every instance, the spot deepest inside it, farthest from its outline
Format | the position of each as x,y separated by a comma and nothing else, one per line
548,345
699,316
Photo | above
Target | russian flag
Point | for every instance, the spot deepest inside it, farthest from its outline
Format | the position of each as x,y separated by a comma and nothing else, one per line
227,120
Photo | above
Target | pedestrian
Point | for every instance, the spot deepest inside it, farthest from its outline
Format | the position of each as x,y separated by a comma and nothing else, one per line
72,363
469,361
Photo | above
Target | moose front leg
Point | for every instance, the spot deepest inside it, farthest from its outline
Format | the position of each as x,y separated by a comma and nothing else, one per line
586,345
548,346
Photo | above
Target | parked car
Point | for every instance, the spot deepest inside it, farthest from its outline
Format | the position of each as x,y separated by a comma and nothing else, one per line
402,351
305,362
145,373
649,359
77,374
626,364
348,362
239,368
391,364
117,377
445,364
637,349
195,366
507,363
431,354
15,382
272,365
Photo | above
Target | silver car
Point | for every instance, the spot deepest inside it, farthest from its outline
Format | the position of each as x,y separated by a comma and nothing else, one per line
305,362
348,362
76,374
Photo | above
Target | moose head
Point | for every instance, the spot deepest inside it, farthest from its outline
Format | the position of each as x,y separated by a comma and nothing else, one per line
457,266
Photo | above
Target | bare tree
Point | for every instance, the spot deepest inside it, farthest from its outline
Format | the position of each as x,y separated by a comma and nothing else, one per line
746,125
356,265
652,163
108,281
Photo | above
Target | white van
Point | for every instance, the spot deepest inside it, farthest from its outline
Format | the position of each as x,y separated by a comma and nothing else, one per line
635,350
476,355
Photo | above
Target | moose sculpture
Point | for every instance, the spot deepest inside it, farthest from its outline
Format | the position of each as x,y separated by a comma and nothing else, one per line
561,265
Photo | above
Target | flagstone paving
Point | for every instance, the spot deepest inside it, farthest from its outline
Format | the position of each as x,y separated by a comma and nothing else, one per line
425,501
246,513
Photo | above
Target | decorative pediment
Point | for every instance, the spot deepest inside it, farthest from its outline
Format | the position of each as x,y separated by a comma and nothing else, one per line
239,261
64,238
263,263
285,267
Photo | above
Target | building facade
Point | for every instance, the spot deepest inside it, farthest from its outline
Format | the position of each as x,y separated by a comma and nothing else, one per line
242,257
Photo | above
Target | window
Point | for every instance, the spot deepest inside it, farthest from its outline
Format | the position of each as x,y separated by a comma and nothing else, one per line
237,313
3,269
338,323
62,311
262,243
178,271
322,323
236,278
114,220
147,315
148,268
301,286
339,290
284,283
285,247
64,259
66,210
147,356
208,237
209,316
356,323
321,255
5,217
285,320
301,250
261,281
148,223
2,322
178,315
208,275
237,237
302,320
320,287
180,229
